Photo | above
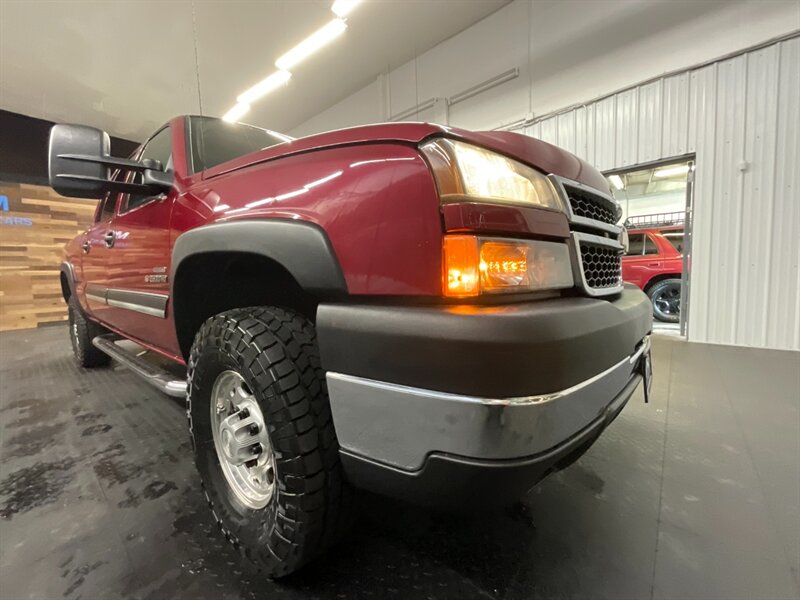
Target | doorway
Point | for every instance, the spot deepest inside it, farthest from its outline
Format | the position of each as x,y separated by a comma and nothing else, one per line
656,202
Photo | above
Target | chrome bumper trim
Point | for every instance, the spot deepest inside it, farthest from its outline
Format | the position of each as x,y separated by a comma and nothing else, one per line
399,425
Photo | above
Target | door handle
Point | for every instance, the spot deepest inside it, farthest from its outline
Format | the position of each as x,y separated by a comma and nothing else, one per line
109,239
654,264
86,247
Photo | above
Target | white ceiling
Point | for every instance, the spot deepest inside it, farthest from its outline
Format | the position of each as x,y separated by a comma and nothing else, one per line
127,66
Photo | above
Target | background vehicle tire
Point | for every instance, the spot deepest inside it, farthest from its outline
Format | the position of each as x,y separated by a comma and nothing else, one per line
81,332
666,298
255,379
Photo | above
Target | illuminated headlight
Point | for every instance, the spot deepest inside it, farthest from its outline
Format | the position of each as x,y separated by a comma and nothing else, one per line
475,265
467,173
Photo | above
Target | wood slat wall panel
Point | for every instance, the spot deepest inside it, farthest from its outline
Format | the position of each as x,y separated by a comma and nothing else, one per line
33,231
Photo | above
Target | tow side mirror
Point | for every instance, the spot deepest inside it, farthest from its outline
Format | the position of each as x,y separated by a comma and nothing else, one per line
70,176
79,162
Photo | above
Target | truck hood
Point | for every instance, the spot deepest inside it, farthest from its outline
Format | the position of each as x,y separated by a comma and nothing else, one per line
536,153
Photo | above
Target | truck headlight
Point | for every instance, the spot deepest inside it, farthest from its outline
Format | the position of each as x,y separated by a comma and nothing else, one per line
465,173
476,265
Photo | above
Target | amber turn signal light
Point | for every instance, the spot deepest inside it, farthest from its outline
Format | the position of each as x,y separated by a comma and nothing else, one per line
461,266
474,265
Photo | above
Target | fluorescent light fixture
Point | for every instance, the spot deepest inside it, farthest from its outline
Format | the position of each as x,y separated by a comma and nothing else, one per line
236,112
342,8
264,87
616,181
311,44
671,171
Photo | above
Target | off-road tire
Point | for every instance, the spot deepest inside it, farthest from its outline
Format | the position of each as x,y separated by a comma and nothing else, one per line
275,352
656,290
82,331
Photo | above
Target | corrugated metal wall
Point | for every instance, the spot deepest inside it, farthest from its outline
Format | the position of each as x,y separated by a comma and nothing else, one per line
741,117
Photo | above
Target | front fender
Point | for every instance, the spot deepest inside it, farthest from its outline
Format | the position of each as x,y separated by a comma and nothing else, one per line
301,248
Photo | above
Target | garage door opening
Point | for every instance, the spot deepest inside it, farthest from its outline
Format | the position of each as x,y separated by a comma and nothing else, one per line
656,205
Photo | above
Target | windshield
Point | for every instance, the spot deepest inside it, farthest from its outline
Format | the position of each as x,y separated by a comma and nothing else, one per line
214,141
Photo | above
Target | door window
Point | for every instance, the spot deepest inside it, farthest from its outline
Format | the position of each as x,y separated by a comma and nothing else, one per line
106,211
676,239
635,244
649,246
159,148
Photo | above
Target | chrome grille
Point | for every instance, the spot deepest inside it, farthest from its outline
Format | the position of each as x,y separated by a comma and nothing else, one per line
597,251
602,265
591,207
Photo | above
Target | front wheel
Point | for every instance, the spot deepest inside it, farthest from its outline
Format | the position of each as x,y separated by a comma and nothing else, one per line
263,437
666,298
82,331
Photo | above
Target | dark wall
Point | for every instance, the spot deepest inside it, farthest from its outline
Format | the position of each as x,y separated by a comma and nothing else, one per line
23,148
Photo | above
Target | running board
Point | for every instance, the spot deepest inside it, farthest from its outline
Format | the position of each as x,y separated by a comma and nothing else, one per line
155,376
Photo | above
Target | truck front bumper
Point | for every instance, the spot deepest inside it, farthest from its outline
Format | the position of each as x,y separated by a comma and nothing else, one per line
426,401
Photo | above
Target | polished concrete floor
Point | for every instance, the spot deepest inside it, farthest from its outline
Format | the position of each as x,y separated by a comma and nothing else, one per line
696,495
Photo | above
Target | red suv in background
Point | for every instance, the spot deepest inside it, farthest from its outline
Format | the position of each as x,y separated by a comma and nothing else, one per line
654,262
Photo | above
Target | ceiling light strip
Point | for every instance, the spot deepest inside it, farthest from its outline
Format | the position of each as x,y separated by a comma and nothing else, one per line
264,87
236,112
311,44
342,8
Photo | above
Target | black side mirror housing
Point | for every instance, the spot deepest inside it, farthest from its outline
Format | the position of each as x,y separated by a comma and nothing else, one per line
79,163
71,177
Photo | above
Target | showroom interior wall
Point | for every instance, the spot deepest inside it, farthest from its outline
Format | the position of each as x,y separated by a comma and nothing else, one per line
35,223
739,115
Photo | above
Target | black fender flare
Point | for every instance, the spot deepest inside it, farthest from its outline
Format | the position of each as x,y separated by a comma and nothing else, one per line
300,247
69,273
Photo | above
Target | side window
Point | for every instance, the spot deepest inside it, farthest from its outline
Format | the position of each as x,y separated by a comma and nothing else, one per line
635,244
676,239
158,148
650,246
109,201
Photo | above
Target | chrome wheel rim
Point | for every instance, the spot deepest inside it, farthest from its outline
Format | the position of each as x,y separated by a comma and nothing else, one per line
668,301
241,441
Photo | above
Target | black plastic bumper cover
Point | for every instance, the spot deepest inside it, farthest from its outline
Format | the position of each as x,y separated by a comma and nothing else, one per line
488,351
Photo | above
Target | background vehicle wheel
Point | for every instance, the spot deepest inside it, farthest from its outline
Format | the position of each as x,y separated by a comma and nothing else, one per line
666,299
81,333
263,437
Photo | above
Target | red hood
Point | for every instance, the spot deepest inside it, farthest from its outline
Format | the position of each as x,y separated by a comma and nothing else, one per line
539,154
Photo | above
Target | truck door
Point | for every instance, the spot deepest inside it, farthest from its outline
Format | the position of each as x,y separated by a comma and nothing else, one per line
642,260
139,261
96,246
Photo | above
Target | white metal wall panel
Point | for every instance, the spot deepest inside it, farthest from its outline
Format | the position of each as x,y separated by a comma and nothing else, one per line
581,132
676,115
549,130
758,199
566,131
605,137
627,122
741,117
702,110
783,306
650,126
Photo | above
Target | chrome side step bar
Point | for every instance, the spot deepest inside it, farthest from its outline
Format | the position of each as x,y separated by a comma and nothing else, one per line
151,373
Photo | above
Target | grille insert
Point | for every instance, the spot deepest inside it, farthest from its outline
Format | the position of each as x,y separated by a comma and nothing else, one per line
602,266
591,207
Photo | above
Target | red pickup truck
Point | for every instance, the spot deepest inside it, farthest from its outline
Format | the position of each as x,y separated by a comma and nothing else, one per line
417,310
654,263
